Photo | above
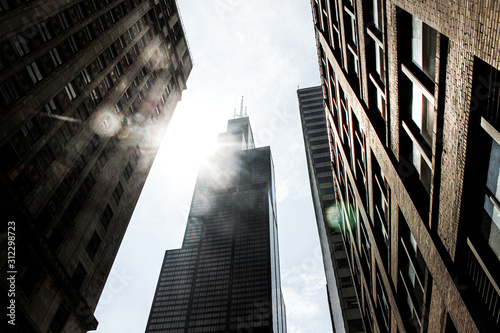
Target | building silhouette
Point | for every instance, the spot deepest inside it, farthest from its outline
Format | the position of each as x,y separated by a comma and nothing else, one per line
342,300
411,91
226,276
87,89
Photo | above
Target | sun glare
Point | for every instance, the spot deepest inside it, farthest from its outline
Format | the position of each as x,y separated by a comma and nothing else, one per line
190,138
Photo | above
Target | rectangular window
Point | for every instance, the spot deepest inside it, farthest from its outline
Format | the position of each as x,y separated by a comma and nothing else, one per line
101,24
31,131
79,10
119,70
34,72
88,33
20,45
490,225
422,106
93,245
73,44
51,107
118,192
86,76
101,62
44,31
70,91
54,55
78,276
423,45
108,81
59,319
112,15
63,19
121,40
112,51
106,216
128,171
8,92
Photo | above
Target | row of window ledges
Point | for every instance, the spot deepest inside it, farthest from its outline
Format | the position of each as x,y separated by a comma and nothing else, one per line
60,108
76,26
76,204
70,197
381,198
374,17
61,58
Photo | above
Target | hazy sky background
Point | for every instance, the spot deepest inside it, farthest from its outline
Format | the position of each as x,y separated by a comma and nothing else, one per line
263,50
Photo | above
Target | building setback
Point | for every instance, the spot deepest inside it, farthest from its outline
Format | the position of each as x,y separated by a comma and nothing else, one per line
226,276
342,300
87,89
411,90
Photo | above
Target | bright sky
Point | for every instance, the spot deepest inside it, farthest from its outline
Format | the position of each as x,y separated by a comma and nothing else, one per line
263,50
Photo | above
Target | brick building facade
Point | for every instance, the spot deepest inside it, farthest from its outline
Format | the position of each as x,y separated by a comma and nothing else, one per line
87,89
411,91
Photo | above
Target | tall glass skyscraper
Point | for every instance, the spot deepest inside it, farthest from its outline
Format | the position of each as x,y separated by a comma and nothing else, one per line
226,276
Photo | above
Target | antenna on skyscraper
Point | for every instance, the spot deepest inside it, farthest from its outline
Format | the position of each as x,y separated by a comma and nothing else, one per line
241,114
241,107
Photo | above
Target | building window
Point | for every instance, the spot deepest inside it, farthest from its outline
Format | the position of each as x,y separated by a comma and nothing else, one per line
112,51
86,76
88,33
78,276
70,91
73,44
8,92
93,245
20,45
63,19
490,224
423,46
412,270
106,216
128,171
118,192
34,72
416,94
108,81
54,56
44,31
119,70
101,62
59,320
79,10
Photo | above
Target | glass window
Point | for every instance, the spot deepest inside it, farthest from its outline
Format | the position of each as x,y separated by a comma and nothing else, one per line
490,227
34,72
54,55
423,45
422,113
44,31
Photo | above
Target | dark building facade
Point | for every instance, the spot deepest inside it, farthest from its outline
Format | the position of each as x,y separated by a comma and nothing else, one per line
87,89
226,276
342,298
411,91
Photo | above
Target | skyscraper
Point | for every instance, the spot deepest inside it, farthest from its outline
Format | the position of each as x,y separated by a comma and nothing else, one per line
342,300
87,89
412,105
226,276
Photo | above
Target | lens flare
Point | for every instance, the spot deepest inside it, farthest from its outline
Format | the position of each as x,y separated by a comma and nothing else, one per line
106,123
335,215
